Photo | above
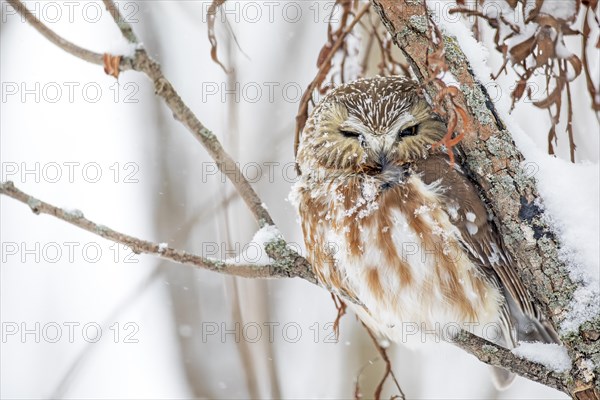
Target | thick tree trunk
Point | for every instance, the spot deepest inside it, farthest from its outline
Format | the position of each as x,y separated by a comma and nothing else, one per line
495,164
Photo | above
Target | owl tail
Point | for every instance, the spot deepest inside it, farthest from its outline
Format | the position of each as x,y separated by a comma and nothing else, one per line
521,328
501,377
529,328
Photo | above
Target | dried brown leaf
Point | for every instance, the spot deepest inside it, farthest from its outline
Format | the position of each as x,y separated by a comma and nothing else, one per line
212,38
324,53
519,90
340,306
552,99
546,47
519,52
535,12
542,45
576,64
111,65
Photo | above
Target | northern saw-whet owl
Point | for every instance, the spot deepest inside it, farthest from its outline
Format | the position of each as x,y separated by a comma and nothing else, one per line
392,224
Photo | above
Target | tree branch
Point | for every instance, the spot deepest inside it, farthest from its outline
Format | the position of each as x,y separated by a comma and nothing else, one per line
69,47
144,63
498,356
495,164
324,67
123,25
289,265
138,246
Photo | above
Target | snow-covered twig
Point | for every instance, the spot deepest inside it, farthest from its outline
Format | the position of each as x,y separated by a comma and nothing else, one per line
497,356
287,263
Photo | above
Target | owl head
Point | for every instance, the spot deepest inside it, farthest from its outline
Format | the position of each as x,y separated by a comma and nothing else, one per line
367,127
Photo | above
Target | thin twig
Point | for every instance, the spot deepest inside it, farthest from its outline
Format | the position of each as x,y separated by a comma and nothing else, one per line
182,113
388,367
144,63
69,47
138,246
123,25
302,115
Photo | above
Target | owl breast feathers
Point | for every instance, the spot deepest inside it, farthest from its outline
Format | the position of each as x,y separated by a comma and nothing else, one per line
389,223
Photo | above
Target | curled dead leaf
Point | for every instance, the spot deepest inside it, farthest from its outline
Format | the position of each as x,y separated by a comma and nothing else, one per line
535,12
111,65
519,90
546,49
553,98
576,64
519,52
212,37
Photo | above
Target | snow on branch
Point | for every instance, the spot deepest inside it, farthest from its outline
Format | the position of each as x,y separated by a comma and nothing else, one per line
497,356
551,355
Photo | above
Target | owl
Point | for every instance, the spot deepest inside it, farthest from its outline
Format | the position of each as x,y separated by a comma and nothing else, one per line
390,223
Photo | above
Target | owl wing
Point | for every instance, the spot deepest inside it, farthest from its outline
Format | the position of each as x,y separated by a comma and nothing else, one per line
478,234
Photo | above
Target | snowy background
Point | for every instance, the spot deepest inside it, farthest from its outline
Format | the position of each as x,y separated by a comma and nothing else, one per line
84,318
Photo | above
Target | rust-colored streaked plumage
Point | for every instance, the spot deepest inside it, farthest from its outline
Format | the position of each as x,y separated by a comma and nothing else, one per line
391,224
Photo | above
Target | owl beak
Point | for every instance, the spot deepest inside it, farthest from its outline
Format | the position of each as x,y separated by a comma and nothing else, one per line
379,164
378,150
383,160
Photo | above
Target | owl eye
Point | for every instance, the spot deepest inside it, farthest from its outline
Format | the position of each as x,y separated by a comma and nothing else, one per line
350,134
410,131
